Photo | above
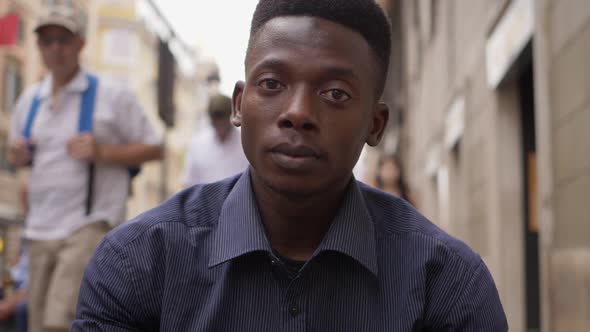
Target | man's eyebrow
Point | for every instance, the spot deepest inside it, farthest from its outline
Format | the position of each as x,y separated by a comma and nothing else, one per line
333,70
273,63
341,72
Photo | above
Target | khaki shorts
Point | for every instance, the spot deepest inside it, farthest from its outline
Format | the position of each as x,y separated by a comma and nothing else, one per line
55,274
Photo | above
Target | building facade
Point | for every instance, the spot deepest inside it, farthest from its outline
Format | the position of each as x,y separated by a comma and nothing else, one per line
490,111
19,67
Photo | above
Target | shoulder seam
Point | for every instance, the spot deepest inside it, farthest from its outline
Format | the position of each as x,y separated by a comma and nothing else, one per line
452,250
137,236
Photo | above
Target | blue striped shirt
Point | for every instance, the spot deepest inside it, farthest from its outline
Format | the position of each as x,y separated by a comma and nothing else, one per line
202,262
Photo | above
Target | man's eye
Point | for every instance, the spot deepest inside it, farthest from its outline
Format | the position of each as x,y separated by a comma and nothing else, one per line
336,95
270,84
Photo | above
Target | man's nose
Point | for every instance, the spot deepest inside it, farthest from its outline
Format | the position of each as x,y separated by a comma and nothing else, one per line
300,111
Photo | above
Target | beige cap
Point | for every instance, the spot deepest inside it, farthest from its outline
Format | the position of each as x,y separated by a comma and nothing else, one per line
65,14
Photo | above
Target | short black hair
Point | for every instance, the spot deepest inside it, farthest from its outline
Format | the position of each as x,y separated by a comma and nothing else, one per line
362,16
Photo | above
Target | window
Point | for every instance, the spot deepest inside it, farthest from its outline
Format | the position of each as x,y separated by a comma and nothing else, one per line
427,12
12,84
22,32
416,12
433,14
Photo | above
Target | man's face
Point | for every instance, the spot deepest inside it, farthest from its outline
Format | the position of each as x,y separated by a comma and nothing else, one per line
60,49
308,105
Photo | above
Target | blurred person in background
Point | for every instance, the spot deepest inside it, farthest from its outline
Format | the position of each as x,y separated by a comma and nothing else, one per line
13,307
216,152
390,177
80,135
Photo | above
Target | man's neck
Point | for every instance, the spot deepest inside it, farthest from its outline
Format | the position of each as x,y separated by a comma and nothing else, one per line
62,79
295,226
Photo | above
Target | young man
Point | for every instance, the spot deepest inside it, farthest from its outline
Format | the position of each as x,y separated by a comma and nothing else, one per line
216,152
72,204
294,243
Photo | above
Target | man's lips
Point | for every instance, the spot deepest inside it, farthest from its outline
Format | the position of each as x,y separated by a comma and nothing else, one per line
295,151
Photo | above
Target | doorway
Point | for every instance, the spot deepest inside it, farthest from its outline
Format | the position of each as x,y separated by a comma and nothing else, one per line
530,224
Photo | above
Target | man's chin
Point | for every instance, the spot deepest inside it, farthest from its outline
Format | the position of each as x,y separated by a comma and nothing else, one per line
294,186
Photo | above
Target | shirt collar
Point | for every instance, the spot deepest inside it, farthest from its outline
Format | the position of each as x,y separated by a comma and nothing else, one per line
240,230
352,231
78,84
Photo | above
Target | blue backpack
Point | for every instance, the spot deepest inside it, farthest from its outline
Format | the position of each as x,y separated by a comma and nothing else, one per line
84,126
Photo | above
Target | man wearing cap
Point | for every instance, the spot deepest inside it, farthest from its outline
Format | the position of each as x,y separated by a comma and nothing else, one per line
216,152
80,135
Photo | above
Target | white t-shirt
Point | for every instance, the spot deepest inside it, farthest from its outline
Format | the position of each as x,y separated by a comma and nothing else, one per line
58,183
209,160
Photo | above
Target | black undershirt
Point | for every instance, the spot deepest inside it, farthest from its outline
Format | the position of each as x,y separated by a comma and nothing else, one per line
292,266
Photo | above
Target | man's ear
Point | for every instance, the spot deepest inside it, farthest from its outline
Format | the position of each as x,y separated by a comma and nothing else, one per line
236,109
379,119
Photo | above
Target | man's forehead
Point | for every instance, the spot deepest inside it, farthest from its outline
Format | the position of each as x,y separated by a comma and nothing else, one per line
303,24
306,31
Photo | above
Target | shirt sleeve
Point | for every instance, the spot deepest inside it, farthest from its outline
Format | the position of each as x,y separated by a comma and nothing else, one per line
133,124
478,307
107,300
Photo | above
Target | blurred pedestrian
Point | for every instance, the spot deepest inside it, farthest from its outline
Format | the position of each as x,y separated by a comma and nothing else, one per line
80,135
294,243
390,177
216,152
13,307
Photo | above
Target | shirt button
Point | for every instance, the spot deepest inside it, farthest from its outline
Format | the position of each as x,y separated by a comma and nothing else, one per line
294,309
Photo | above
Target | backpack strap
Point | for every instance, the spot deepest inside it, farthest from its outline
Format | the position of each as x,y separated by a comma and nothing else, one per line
87,105
87,111
85,122
86,108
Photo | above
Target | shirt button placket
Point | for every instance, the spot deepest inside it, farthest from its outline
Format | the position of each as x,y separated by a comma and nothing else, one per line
295,317
294,302
294,309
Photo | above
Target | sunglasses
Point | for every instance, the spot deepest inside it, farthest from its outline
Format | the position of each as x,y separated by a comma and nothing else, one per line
63,40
